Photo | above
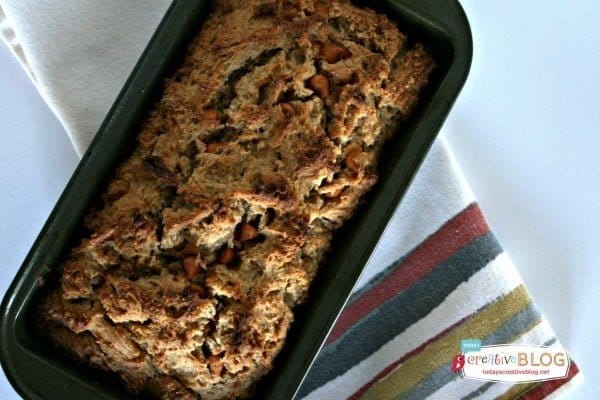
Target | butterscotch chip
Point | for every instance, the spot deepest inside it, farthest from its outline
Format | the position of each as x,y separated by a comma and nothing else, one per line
215,364
334,132
211,114
215,147
247,232
352,159
226,256
333,54
352,164
320,85
191,267
287,109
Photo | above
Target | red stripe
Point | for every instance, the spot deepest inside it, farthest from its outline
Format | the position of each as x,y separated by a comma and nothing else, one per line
544,389
405,357
451,237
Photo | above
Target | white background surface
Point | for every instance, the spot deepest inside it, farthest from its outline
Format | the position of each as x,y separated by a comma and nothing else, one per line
525,130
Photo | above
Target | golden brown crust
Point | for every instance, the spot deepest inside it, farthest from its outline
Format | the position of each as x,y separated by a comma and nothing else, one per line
210,233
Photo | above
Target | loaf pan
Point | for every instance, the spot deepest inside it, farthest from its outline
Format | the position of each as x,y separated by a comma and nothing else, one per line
37,371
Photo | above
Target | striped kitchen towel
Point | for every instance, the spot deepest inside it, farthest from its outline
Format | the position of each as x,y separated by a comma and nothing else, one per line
402,327
437,276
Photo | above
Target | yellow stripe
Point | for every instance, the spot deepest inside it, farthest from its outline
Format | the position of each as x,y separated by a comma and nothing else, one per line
444,349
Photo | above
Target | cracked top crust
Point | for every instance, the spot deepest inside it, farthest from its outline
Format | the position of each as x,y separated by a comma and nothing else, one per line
263,143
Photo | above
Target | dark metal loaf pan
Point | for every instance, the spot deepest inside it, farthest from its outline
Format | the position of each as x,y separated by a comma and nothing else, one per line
37,371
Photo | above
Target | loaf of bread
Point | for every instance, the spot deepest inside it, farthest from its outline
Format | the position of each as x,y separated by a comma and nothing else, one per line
262,144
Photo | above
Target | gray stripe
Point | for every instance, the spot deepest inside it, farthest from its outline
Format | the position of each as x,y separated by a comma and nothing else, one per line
479,391
515,326
375,280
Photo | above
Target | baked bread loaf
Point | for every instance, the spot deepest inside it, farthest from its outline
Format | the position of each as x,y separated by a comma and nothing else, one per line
263,142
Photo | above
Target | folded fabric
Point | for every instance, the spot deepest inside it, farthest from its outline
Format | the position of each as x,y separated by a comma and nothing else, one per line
398,334
438,275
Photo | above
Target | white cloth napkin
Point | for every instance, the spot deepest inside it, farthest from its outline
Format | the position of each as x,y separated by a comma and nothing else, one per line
79,54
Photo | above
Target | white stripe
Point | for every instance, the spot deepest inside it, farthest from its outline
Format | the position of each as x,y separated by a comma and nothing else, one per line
419,216
459,388
495,391
495,279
